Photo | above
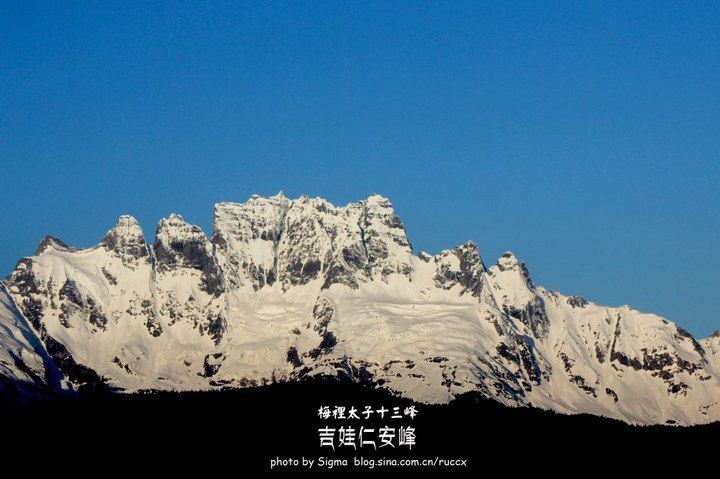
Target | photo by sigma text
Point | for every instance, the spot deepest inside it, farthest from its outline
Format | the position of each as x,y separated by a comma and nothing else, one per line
360,462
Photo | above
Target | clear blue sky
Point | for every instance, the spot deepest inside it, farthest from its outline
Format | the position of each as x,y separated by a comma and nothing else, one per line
584,137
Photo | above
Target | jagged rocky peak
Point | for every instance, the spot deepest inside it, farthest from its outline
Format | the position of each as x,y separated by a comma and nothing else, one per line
246,236
174,227
713,340
508,262
314,237
268,240
126,239
515,293
127,226
258,219
460,266
380,216
179,244
51,242
385,238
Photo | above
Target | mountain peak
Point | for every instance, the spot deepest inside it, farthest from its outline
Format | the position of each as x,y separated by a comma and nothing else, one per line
179,244
175,226
259,200
460,266
509,262
127,221
126,238
51,242
508,257
470,245
376,199
126,227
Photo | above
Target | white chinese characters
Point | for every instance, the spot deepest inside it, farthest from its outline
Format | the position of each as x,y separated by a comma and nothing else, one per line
351,435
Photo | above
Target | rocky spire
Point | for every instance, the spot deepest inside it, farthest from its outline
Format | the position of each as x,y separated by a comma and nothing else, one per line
508,262
51,242
460,266
179,244
246,236
385,238
126,239
518,300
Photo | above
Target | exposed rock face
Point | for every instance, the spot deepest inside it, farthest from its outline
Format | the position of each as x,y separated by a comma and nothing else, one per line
460,266
25,366
189,282
289,289
388,249
323,312
181,245
34,298
51,242
320,241
75,303
516,296
577,302
267,240
247,237
126,241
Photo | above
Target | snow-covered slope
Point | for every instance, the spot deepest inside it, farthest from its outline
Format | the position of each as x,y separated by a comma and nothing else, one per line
25,367
291,289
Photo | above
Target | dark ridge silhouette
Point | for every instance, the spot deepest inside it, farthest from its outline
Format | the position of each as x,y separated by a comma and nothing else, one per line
255,425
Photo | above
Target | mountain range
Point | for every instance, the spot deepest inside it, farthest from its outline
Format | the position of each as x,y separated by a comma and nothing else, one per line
288,290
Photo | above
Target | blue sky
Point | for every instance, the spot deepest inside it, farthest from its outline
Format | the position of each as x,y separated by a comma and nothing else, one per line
582,136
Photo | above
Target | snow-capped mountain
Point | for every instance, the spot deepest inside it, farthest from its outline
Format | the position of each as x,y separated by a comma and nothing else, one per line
291,289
